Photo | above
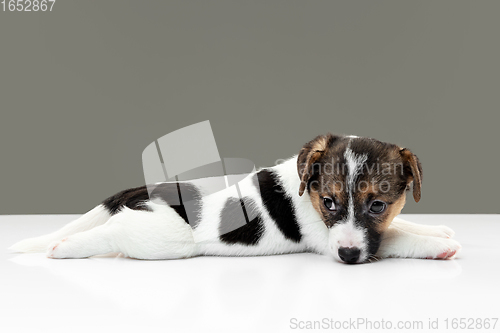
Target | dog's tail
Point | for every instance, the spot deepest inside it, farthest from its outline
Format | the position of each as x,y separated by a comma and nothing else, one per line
95,217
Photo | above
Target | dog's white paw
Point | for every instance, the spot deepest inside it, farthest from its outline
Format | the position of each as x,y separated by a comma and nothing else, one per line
440,248
60,249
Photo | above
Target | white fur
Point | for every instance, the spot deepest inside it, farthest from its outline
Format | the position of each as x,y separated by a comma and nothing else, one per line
400,243
420,229
161,234
347,235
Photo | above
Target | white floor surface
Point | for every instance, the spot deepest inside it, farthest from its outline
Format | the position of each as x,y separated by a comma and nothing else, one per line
254,294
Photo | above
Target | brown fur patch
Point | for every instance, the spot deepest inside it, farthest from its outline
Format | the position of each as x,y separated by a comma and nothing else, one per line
392,211
412,163
310,154
316,201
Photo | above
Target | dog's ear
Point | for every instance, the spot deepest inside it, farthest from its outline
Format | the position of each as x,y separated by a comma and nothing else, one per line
309,155
413,169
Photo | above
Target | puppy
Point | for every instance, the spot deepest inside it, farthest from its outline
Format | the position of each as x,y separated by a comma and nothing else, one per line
340,196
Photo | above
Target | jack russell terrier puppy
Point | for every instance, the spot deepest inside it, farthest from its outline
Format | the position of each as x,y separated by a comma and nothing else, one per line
339,196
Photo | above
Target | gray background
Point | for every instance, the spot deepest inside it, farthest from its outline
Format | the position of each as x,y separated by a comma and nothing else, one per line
85,88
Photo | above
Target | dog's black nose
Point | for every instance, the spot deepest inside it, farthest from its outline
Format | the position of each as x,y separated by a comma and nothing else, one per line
349,254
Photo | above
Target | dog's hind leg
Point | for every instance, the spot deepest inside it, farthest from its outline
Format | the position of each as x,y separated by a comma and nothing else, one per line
95,217
403,244
422,229
157,234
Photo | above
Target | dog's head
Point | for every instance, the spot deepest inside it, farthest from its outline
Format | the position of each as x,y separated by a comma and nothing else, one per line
358,186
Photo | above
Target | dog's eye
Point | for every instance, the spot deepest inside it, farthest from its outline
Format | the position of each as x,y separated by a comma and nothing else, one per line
329,204
377,207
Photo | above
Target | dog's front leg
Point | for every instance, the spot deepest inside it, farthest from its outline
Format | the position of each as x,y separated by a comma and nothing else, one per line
399,243
423,229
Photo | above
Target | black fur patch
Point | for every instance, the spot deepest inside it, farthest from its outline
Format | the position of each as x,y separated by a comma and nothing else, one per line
278,205
132,198
135,198
235,215
374,240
